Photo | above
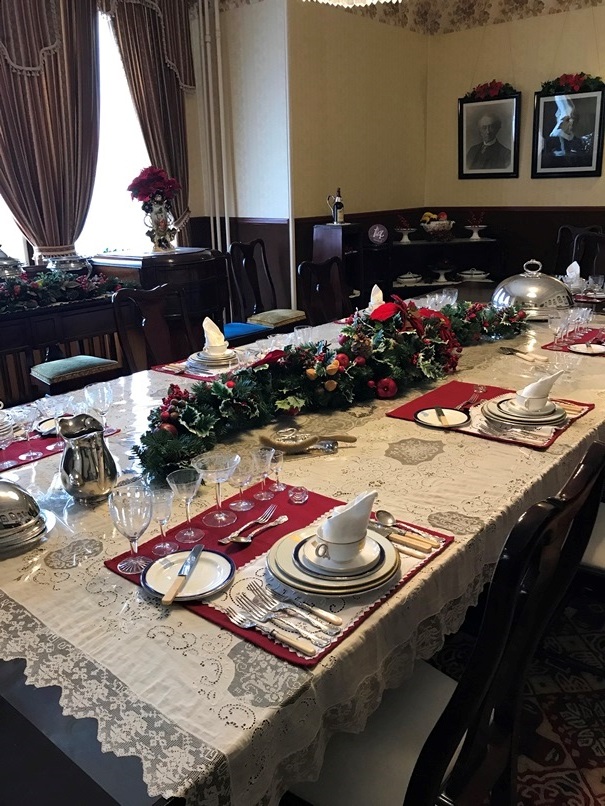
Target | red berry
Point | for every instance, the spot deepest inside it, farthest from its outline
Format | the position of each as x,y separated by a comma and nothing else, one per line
164,416
230,384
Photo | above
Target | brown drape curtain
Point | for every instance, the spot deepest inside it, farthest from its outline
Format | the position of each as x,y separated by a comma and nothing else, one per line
154,40
49,117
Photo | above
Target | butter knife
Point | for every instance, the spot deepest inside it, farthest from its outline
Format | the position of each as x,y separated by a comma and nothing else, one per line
384,530
441,416
185,571
401,543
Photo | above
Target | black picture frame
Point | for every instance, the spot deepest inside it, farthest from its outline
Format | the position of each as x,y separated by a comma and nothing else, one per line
499,157
568,150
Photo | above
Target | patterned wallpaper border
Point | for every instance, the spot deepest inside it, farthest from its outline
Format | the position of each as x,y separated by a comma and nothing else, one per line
446,16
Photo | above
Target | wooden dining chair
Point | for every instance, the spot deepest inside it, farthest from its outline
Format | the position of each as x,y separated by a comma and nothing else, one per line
571,245
322,291
255,299
433,741
153,326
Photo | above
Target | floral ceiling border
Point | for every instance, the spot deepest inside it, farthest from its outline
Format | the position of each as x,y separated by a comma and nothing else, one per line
447,16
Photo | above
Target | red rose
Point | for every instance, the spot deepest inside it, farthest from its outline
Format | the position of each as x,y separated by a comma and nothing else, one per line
342,339
386,387
385,311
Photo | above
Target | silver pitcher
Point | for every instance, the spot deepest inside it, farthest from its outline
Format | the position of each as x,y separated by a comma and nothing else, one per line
88,470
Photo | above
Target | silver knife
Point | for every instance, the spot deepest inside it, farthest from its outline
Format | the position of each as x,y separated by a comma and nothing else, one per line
386,530
186,569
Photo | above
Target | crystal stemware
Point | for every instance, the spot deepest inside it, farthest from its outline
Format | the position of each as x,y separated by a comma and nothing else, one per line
277,465
99,396
52,408
162,509
240,478
261,458
185,483
217,467
130,508
26,416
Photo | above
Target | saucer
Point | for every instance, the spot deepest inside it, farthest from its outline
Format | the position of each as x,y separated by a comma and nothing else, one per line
367,559
512,407
585,349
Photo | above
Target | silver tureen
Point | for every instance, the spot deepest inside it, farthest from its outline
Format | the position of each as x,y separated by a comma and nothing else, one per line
533,291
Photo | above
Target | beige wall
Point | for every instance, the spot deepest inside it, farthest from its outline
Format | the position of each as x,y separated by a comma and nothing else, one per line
254,53
525,53
357,109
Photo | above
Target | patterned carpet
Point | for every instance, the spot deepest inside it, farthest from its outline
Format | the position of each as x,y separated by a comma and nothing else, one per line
563,741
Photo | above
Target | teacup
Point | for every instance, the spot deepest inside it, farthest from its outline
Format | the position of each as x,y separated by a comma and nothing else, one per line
217,349
340,552
531,403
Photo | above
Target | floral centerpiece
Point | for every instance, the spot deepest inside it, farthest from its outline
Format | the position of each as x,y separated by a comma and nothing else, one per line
156,190
50,287
472,321
572,82
490,91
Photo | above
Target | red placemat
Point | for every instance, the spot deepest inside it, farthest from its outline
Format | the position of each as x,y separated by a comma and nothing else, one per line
454,393
42,444
241,554
595,335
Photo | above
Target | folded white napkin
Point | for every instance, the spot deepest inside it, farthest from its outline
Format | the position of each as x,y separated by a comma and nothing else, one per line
376,298
213,334
350,522
573,271
542,387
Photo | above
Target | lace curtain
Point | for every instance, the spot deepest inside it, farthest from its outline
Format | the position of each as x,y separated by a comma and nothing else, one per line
154,41
49,117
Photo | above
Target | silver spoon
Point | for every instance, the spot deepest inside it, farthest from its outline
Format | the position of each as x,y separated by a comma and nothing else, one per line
248,538
386,518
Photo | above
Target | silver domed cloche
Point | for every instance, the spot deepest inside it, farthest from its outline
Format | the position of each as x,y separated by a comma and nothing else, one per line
533,291
22,523
9,266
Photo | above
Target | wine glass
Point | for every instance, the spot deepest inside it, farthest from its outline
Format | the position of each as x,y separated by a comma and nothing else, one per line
99,396
261,458
7,437
26,416
217,467
240,478
52,408
162,509
130,507
185,483
277,465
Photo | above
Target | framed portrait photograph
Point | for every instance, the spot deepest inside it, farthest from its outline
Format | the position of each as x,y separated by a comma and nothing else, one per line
488,138
568,135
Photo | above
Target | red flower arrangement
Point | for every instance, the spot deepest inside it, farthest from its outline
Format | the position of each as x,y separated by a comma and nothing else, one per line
573,82
152,182
491,90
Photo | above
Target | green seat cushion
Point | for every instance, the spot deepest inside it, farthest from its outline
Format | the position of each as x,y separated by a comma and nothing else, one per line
277,317
68,369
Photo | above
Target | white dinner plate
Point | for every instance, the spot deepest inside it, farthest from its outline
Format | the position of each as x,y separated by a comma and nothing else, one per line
212,573
280,562
430,418
510,406
491,411
369,558
587,349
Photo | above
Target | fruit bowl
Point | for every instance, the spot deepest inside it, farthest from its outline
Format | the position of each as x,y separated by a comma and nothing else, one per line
439,229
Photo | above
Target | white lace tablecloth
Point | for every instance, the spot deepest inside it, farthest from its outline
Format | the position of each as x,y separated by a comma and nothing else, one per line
214,718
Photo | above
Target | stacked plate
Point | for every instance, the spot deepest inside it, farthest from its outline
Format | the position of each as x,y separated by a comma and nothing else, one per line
206,363
292,560
506,410
474,274
409,279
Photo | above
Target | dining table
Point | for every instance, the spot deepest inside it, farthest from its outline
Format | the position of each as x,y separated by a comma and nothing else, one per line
212,716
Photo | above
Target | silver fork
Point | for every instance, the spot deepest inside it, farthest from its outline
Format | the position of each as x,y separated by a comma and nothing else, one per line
263,614
247,623
473,399
264,518
272,603
324,615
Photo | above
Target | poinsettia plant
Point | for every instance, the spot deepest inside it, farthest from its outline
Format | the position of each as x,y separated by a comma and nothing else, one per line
572,82
490,91
152,182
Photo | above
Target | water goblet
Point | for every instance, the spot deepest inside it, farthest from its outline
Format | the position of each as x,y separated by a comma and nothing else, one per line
217,467
261,458
185,483
51,408
26,416
162,508
277,465
7,437
99,396
130,507
240,478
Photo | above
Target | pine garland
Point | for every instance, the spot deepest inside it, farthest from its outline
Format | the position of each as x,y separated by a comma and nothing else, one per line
381,354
